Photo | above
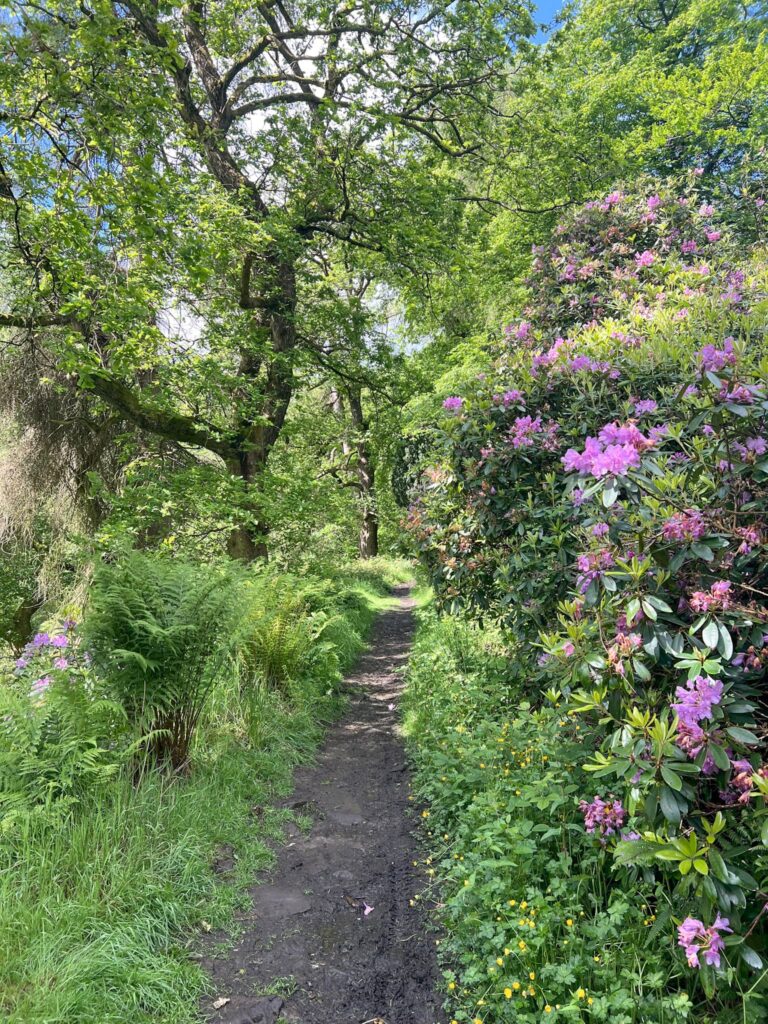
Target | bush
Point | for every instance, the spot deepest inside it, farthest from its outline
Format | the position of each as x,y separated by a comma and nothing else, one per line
160,630
603,497
535,926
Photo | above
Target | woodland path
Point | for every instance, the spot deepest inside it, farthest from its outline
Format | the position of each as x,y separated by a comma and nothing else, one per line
308,921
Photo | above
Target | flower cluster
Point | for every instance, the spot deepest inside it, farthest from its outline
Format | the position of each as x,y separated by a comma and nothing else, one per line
717,599
694,704
615,451
48,654
603,817
697,940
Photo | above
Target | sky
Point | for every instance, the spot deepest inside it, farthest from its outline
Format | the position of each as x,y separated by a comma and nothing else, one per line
545,12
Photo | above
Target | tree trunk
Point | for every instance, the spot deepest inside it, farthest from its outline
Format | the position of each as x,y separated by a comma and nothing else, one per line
368,544
276,311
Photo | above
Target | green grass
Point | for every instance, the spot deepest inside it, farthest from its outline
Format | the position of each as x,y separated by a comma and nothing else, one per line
101,910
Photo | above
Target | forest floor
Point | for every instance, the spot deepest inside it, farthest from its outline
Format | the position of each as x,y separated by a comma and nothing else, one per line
331,937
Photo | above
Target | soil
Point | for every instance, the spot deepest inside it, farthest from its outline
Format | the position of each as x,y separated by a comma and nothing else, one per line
309,938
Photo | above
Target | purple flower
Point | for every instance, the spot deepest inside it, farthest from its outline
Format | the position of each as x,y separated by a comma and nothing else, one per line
453,403
685,526
59,641
654,202
689,246
717,598
645,259
696,700
41,640
60,663
714,236
646,405
696,939
512,396
605,818
22,662
40,686
600,529
716,359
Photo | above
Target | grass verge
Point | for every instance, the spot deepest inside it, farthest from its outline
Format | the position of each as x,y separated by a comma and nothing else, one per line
100,907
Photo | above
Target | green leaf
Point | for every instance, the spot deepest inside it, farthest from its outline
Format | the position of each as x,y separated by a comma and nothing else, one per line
711,634
719,756
749,956
672,780
649,610
669,806
742,735
703,551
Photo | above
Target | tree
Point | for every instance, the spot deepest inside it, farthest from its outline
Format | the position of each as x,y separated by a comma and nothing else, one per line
168,174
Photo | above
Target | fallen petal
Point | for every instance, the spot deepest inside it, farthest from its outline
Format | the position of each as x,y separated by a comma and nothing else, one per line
366,909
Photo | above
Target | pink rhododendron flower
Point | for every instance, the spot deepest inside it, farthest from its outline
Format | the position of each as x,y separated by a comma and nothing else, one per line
716,359
603,817
685,526
453,403
645,259
717,598
697,940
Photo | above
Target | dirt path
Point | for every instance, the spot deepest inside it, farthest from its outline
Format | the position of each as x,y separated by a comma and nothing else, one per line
309,926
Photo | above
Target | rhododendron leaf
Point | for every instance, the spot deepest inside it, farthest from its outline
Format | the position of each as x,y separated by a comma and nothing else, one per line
703,551
669,805
708,981
685,866
764,833
711,634
719,756
610,495
671,779
701,866
649,610
640,670
749,956
658,603
724,643
714,379
686,768
742,735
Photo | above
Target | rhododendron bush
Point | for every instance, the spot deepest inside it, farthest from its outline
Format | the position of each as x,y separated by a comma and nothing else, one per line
602,494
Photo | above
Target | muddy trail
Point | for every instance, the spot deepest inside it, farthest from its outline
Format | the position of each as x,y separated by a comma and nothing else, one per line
310,937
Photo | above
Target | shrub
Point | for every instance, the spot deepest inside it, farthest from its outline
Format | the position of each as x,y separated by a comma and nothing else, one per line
159,630
603,497
529,914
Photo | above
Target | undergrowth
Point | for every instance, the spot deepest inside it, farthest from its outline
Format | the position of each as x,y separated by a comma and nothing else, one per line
102,901
535,927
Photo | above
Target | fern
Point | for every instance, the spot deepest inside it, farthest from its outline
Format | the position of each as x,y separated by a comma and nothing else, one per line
160,630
